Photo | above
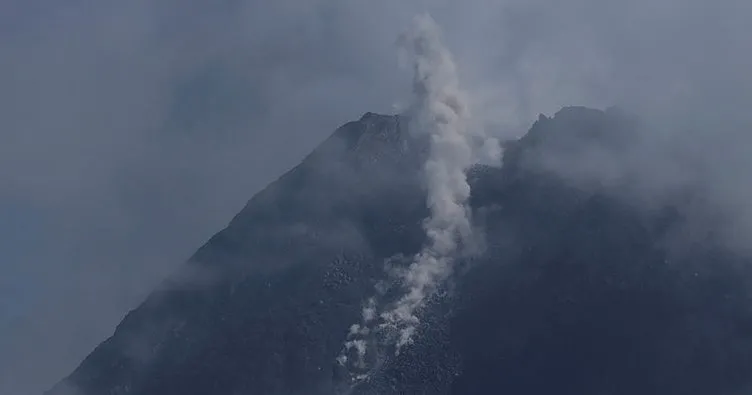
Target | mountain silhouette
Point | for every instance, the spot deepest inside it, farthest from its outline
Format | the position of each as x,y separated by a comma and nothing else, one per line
575,290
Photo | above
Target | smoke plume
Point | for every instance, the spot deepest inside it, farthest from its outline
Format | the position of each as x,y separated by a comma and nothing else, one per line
440,113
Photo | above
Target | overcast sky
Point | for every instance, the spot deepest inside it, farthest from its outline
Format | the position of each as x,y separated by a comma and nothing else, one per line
131,131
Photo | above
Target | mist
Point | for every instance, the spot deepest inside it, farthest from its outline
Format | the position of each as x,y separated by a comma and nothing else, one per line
440,111
131,132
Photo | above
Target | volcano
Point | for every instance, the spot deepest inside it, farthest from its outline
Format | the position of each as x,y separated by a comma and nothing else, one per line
574,289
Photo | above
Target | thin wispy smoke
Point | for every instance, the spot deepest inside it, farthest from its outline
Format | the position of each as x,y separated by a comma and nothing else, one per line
440,113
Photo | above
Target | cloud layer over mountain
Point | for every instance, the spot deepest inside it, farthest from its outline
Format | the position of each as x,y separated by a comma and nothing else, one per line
131,131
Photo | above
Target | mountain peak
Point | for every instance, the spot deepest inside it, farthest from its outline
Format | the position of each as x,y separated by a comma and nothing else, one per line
369,114
376,139
562,273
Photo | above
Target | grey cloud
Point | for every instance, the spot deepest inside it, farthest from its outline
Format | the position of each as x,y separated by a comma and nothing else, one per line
137,129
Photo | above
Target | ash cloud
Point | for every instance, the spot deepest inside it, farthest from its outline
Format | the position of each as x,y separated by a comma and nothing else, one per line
440,113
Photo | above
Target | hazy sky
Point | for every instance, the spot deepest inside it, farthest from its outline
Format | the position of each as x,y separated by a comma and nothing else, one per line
130,132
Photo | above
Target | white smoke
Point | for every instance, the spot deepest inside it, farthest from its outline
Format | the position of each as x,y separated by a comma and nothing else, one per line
440,113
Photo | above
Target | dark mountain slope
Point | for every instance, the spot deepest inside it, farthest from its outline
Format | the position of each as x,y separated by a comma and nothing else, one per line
577,291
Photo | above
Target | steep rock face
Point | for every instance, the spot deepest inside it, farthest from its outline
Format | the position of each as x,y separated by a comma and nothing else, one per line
576,292
264,305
